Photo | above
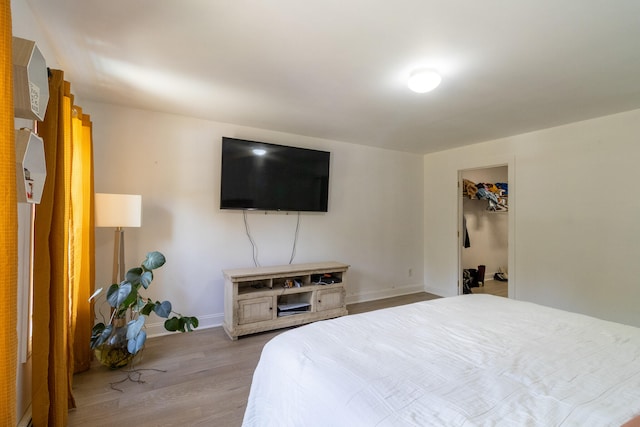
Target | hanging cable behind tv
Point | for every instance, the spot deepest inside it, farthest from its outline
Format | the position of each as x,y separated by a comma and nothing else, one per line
254,246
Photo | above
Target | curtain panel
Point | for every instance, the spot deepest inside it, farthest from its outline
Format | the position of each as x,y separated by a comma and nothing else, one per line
63,257
82,245
8,227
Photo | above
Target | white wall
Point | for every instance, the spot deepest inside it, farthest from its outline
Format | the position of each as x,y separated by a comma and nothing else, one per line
26,26
575,214
374,221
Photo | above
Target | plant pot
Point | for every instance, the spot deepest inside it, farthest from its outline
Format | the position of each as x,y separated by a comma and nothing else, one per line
113,357
113,353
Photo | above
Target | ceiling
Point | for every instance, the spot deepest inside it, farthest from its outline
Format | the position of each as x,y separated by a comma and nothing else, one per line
337,69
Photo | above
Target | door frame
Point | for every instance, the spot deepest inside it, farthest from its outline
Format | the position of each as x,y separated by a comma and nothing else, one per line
509,162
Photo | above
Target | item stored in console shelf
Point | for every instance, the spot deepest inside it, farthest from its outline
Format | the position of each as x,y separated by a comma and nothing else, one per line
325,279
293,308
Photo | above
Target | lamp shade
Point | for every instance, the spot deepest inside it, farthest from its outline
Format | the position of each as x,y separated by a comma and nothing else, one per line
118,210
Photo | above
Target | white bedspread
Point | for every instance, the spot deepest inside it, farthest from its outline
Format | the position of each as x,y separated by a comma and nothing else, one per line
472,360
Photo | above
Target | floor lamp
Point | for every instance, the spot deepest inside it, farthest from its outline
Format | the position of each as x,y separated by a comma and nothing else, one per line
119,211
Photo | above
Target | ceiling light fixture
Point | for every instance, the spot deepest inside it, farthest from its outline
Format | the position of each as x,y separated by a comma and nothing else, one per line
424,80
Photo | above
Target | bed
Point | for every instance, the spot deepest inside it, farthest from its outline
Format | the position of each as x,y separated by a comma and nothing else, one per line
470,360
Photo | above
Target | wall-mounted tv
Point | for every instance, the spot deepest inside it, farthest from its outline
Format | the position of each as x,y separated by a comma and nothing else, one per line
262,176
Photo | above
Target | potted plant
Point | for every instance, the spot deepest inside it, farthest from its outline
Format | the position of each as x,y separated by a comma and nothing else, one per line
124,336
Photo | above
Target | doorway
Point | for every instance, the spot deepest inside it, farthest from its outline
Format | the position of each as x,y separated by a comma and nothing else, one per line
485,238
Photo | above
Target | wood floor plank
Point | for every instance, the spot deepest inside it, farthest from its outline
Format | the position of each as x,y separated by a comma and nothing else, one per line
493,287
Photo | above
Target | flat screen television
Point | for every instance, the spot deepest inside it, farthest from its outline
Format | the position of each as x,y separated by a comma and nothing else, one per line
262,176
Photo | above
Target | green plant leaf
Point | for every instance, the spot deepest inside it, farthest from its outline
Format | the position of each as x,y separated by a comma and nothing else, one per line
131,299
117,294
154,260
113,289
135,344
146,278
97,328
134,327
172,325
99,334
147,309
127,301
133,275
193,321
140,304
103,337
163,309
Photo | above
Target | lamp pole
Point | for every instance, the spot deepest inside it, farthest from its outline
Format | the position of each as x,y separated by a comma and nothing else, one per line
118,256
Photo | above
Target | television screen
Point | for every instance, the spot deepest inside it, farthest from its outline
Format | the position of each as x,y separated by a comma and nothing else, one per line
263,176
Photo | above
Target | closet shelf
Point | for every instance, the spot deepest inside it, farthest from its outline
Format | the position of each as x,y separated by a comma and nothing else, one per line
496,194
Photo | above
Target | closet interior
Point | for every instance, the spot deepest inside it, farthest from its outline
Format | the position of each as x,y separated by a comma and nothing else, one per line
485,205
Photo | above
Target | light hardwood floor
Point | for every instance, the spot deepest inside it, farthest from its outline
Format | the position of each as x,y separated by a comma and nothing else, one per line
493,287
205,379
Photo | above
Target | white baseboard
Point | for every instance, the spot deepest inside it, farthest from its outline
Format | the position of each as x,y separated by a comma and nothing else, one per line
386,293
441,292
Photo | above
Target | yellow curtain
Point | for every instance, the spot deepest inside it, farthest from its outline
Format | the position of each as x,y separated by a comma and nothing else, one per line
63,256
82,245
8,227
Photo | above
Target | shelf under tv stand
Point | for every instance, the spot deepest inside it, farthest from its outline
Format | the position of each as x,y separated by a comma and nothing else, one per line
252,296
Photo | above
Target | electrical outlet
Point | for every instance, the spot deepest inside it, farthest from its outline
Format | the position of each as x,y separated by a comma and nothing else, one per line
411,272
